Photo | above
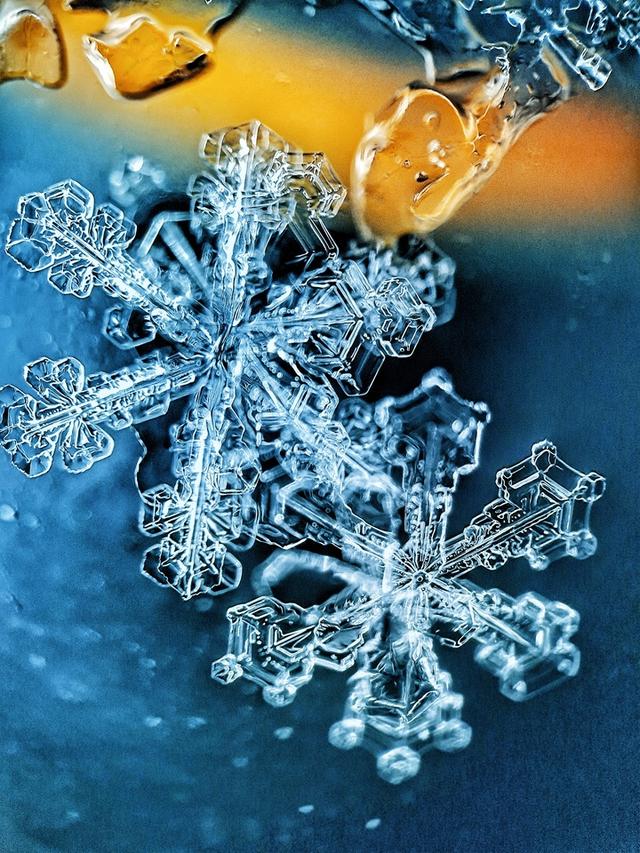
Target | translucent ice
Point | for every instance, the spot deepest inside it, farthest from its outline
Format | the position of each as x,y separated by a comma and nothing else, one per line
401,581
135,56
30,47
427,153
259,321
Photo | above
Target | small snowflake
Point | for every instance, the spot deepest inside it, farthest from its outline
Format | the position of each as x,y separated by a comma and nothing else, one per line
402,586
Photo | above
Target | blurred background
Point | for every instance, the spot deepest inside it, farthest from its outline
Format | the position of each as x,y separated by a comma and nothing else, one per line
112,736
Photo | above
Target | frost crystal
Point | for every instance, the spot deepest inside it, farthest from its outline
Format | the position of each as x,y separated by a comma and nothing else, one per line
583,34
271,334
401,586
260,356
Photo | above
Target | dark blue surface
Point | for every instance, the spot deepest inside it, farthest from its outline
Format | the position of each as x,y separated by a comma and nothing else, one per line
112,737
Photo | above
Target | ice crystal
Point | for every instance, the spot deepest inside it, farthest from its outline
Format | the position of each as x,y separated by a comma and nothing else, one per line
244,306
30,47
401,585
583,34
260,356
135,56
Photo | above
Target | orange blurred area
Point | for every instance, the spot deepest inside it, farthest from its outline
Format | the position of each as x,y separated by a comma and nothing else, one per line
318,85
578,164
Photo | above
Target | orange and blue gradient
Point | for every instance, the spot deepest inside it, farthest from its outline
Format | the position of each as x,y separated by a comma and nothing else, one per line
112,737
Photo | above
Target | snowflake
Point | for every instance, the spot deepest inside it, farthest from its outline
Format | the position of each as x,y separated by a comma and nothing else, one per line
258,355
244,306
401,585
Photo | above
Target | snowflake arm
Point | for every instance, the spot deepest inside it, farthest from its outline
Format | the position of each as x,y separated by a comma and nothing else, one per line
82,247
70,409
210,503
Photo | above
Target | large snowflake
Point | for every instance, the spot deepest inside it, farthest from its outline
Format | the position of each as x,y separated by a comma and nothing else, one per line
259,355
271,335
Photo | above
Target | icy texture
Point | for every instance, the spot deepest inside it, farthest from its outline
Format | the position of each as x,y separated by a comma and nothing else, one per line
261,356
30,47
136,56
271,335
401,585
583,34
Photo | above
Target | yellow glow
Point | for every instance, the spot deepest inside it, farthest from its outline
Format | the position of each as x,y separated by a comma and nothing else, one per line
579,162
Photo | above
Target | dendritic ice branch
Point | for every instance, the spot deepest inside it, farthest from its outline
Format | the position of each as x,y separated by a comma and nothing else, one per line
245,307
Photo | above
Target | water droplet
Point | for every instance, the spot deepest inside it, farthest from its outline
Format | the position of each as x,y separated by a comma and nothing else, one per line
136,56
374,823
195,722
306,809
283,733
8,512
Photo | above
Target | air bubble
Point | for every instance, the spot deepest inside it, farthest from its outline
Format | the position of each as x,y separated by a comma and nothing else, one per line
283,733
8,513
